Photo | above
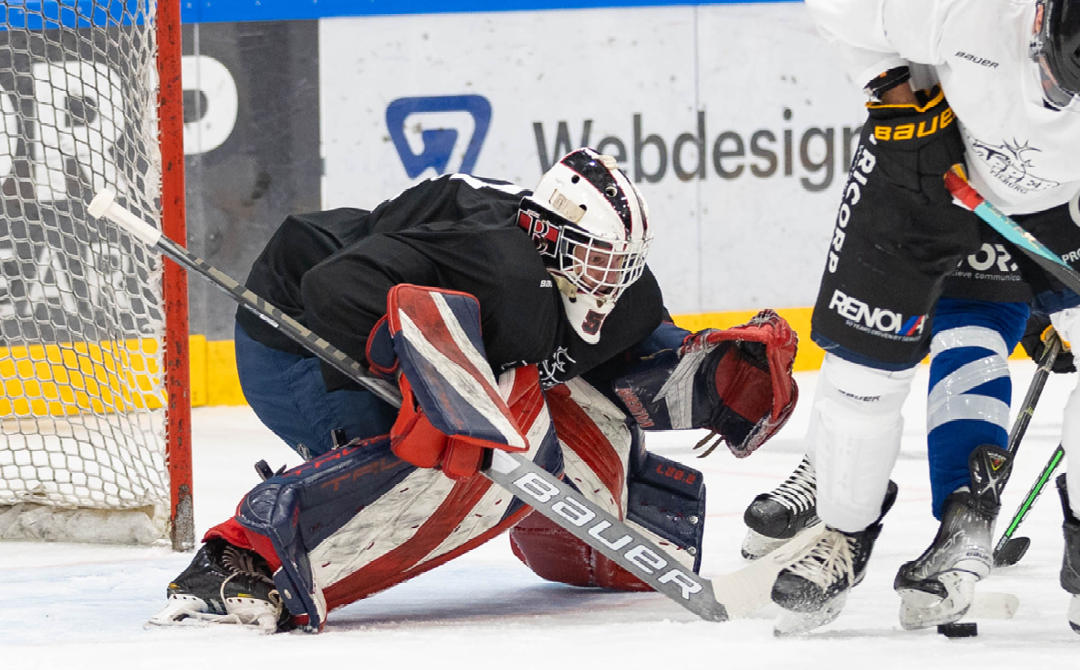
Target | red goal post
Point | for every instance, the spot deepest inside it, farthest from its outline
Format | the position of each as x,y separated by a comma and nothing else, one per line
95,402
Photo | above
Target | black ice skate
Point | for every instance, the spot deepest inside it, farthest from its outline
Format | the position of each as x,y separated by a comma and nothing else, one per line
939,586
1070,563
814,586
776,516
224,584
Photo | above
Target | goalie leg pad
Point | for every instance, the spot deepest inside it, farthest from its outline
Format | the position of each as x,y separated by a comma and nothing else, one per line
660,498
672,518
668,499
359,520
287,514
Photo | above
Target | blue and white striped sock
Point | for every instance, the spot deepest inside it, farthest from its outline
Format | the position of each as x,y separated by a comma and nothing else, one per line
970,388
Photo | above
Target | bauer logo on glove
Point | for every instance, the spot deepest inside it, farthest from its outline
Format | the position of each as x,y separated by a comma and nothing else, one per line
916,144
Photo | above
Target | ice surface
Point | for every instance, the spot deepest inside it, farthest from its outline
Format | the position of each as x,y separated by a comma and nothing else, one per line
72,606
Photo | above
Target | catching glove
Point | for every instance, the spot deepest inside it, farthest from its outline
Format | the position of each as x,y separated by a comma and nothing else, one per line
737,382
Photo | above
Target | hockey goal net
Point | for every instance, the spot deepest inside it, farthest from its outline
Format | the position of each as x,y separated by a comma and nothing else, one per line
93,326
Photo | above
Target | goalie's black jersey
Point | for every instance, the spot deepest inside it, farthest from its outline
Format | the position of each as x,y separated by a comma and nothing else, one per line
332,270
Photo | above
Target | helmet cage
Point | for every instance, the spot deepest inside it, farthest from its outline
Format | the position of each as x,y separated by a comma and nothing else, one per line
1055,50
597,267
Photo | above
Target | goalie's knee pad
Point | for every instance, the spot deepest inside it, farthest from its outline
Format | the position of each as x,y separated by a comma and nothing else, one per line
606,462
854,439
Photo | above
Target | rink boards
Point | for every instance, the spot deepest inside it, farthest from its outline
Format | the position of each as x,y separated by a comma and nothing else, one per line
734,118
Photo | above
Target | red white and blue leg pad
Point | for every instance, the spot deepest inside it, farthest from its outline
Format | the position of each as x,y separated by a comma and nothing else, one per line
605,460
359,519
374,513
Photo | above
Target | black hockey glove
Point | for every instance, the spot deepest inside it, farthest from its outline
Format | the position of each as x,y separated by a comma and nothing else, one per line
1034,343
916,144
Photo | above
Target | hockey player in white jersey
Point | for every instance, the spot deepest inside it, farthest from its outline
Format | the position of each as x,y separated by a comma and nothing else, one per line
995,85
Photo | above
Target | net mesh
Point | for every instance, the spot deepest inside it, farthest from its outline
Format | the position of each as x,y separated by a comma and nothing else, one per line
81,308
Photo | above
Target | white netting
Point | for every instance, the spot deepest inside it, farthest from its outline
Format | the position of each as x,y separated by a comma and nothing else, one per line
81,309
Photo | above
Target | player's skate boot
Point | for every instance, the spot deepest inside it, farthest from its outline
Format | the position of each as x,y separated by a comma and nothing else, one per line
814,586
1070,564
224,584
939,586
776,516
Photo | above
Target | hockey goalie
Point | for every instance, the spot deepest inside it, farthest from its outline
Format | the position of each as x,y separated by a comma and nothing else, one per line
511,320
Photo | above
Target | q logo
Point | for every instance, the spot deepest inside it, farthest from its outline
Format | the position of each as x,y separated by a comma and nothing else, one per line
425,131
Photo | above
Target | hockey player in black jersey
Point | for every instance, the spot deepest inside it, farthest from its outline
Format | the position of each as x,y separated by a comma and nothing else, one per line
539,309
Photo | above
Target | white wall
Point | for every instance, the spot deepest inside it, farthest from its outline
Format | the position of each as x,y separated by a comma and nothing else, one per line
754,238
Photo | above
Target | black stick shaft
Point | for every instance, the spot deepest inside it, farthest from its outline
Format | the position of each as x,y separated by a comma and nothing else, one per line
282,321
1038,382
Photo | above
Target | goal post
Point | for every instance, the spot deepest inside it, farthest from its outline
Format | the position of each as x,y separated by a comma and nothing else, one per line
174,225
94,403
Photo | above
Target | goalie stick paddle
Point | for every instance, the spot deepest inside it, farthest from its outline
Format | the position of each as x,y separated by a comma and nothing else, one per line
518,475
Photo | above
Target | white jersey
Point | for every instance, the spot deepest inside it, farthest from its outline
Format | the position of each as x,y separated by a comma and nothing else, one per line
1021,155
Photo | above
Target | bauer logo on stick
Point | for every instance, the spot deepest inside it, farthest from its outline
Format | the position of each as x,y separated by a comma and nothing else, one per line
635,555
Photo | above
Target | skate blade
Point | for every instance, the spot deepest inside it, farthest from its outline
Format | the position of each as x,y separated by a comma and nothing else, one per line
791,623
993,605
254,613
1074,613
919,609
189,611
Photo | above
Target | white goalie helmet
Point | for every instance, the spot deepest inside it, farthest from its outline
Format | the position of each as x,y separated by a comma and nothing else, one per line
591,226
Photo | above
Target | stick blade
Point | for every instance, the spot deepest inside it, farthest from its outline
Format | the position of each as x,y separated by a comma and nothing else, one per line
1012,552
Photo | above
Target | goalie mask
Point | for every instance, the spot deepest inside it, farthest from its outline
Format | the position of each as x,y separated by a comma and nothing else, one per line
590,225
1055,50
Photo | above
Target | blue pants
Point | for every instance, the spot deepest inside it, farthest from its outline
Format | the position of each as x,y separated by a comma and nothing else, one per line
288,395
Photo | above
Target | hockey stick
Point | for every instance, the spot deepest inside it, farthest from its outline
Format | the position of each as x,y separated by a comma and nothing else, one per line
1010,230
738,592
958,185
1009,549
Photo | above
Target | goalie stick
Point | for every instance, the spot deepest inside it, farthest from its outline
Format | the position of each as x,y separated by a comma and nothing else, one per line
731,595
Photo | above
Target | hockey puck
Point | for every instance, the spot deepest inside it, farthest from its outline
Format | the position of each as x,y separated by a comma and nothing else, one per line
950,630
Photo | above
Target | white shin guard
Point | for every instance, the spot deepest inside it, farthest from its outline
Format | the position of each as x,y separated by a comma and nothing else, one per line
854,438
